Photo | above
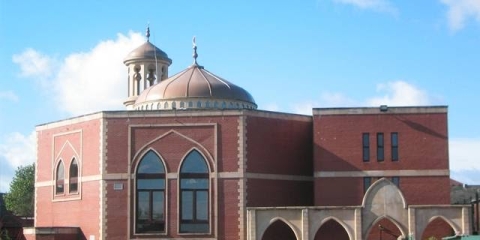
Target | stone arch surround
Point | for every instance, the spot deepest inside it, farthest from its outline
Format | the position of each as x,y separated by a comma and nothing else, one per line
382,200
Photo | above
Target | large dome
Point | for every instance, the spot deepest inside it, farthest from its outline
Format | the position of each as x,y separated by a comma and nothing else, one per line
194,88
147,51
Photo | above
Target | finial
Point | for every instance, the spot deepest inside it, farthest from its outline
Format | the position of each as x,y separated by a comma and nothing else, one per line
148,32
195,55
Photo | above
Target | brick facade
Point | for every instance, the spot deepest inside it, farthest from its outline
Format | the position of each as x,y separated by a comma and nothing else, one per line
422,148
254,158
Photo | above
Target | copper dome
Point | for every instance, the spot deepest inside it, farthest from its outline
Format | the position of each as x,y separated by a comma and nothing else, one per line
147,51
195,87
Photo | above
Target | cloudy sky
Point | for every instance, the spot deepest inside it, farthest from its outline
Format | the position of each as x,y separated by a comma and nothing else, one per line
61,59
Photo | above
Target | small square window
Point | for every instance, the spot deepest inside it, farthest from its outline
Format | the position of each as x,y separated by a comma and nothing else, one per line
118,186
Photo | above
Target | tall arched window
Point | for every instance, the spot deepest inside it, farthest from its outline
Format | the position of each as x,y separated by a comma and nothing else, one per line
150,194
194,192
60,178
73,177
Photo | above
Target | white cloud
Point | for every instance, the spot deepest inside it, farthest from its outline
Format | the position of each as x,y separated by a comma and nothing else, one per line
271,107
18,150
88,81
4,183
304,107
460,10
399,93
395,93
463,154
471,177
8,95
34,64
376,5
327,99
336,100
96,80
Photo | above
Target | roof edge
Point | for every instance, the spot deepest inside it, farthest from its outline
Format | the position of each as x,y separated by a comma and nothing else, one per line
384,109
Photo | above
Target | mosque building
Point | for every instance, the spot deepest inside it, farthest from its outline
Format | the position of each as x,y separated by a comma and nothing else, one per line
192,157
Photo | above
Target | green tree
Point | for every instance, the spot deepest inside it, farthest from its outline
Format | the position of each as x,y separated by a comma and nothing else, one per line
19,199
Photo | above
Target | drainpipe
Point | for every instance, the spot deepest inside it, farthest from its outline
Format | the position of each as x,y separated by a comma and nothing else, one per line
478,212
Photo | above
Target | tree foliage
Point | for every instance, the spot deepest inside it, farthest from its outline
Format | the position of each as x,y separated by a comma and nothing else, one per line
20,198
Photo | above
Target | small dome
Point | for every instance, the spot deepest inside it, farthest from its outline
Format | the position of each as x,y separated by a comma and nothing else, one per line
195,88
147,51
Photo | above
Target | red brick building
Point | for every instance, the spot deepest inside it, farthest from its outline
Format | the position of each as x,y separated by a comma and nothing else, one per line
192,158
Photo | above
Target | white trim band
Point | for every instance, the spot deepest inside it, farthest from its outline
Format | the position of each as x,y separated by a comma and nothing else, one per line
386,173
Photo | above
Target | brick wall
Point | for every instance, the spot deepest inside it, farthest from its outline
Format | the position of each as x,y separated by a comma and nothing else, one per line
423,145
279,144
63,140
172,138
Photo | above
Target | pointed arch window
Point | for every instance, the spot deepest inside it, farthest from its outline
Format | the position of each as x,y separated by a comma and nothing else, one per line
60,178
73,177
194,194
150,194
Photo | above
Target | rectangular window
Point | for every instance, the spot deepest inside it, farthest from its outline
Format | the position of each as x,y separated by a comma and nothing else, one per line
396,181
380,149
367,181
366,147
394,146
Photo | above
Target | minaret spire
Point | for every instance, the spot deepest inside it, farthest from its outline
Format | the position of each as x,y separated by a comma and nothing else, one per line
148,32
195,55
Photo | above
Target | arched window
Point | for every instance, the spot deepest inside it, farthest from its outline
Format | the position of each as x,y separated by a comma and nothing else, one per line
150,194
73,177
194,192
60,178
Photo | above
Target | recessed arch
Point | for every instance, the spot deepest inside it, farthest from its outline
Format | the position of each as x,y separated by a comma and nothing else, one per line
279,229
439,227
208,157
376,186
150,189
138,157
65,145
73,174
60,177
194,193
385,228
332,228
199,151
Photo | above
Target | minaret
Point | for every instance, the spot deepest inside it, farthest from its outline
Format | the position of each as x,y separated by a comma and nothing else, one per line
147,65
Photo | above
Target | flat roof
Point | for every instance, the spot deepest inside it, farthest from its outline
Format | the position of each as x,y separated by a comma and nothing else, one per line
173,113
384,109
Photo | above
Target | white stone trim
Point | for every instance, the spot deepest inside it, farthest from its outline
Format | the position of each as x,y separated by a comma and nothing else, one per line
383,173
242,182
279,115
174,175
376,110
266,176
210,112
210,158
55,158
102,232
35,184
70,121
194,103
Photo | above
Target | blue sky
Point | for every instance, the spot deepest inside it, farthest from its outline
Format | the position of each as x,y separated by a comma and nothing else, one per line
64,58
